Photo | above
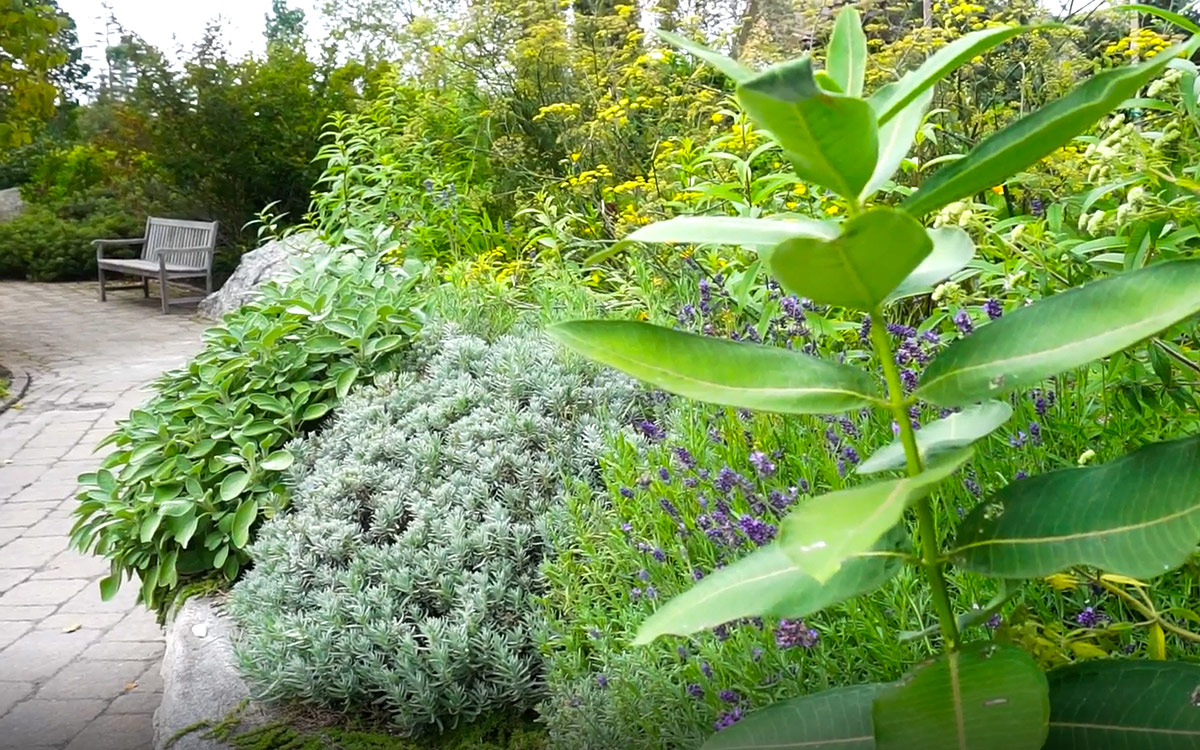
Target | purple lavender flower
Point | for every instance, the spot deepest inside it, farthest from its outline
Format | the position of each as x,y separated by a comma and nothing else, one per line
721,632
669,508
792,633
651,592
864,330
993,308
684,457
659,555
643,575
664,474
994,621
762,464
1035,433
652,431
850,454
1018,440
728,719
686,315
1020,475
627,528
1090,618
706,670
756,653
695,690
758,532
697,574
602,681
1038,208
635,593
972,485
963,322
908,379
729,696
682,652
627,493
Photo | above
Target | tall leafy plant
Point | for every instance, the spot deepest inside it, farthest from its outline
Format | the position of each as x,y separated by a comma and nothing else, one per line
1136,516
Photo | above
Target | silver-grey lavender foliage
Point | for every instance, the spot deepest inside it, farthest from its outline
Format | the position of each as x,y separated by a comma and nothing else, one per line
401,580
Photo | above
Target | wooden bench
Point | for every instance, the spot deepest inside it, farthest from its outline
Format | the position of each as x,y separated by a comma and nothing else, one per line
172,249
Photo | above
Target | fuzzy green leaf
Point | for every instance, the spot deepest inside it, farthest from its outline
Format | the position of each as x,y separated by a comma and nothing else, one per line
767,583
826,531
732,230
832,139
1137,516
1058,333
278,461
1132,705
838,719
874,254
243,519
1037,134
984,697
846,60
955,431
719,371
895,140
233,484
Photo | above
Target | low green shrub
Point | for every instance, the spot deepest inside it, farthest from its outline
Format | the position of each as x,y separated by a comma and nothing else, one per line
401,582
201,463
43,244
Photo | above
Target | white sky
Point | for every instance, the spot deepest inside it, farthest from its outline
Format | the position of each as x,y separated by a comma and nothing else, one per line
169,23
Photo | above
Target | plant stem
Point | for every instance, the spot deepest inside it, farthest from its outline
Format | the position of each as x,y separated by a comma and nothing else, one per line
926,527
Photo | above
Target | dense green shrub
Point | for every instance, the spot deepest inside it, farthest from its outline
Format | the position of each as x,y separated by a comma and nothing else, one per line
401,581
200,464
43,244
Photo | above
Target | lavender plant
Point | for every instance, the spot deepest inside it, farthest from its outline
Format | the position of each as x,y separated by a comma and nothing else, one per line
401,581
1136,516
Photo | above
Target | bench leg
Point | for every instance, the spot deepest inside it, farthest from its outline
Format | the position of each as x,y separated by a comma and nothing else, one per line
146,287
208,282
162,290
103,296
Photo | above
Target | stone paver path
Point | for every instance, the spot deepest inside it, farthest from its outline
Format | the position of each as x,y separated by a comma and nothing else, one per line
75,672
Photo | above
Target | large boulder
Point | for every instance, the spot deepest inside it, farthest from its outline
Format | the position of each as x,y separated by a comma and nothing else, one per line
271,262
11,205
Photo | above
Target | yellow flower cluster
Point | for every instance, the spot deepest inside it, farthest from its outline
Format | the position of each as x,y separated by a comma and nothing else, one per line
587,177
563,109
491,266
629,216
1146,42
637,183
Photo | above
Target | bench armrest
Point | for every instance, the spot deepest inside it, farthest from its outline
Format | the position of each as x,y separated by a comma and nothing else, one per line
164,255
101,244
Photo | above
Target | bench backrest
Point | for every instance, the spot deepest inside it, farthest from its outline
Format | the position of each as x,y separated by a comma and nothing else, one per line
173,234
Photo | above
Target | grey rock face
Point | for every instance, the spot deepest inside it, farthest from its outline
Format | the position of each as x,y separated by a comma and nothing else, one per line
11,205
270,262
200,681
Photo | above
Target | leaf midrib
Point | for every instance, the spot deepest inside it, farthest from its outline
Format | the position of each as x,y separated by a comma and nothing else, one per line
1117,728
1080,535
765,390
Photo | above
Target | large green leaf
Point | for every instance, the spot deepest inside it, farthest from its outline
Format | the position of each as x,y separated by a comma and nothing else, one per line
1137,516
767,583
889,100
895,140
732,230
1062,332
838,719
1131,705
984,697
846,56
955,431
826,531
1036,135
831,138
719,371
876,251
1181,21
952,251
723,63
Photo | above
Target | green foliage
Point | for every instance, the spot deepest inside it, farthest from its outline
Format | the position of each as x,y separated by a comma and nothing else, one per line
45,244
400,584
976,695
31,37
200,464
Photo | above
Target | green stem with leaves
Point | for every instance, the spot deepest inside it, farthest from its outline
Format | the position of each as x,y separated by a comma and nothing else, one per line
927,538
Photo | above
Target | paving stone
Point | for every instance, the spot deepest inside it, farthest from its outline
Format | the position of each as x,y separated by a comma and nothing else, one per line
12,693
151,680
108,650
11,577
88,601
91,679
72,564
38,655
94,621
37,722
11,630
136,701
7,534
53,525
24,612
23,515
43,592
116,732
138,625
30,553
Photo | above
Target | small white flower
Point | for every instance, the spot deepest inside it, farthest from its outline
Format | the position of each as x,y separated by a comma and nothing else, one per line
1017,231
1086,457
1095,223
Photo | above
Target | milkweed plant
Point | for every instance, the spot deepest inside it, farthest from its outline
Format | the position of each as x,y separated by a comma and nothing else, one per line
1137,516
